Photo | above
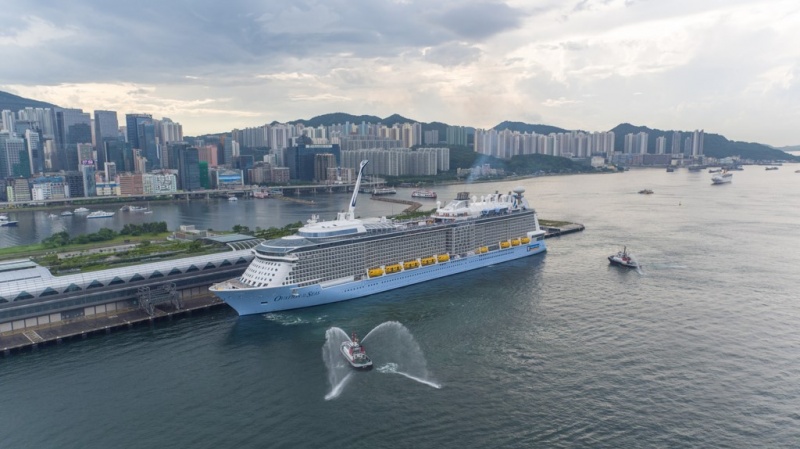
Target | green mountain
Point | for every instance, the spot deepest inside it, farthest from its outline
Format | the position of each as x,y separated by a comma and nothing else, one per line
528,128
15,103
714,145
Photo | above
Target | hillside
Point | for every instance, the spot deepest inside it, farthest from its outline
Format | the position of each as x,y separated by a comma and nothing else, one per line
714,145
528,128
15,103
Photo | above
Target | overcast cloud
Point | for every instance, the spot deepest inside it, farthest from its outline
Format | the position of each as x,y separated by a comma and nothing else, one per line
728,67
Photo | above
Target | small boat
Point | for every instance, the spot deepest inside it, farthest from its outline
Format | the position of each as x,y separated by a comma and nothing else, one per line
670,169
770,168
52,216
355,355
4,221
137,208
423,194
81,210
714,170
722,178
66,213
125,208
646,192
623,259
233,198
100,214
384,191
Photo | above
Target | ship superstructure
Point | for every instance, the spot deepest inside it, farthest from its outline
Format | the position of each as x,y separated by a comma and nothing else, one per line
345,258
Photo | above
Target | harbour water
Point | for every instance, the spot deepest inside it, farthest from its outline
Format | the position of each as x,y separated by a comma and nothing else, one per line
699,349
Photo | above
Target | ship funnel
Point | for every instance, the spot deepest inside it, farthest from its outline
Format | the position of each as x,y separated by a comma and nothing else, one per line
352,208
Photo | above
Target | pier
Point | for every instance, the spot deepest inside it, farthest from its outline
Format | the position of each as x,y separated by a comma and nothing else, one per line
412,205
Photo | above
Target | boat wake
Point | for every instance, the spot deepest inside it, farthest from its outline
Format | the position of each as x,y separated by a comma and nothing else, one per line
391,368
392,349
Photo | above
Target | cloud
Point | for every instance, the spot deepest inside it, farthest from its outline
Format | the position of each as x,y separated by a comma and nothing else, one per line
217,65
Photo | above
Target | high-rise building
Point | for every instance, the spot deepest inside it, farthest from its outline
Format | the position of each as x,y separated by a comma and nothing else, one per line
456,135
106,128
697,142
88,177
146,139
661,144
188,169
8,121
132,122
119,152
676,142
322,162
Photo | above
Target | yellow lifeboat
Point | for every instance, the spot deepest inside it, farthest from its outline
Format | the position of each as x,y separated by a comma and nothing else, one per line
410,264
428,260
505,244
483,249
443,257
514,242
525,240
394,268
375,272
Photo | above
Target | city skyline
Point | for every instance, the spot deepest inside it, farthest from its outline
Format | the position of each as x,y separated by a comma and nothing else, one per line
586,65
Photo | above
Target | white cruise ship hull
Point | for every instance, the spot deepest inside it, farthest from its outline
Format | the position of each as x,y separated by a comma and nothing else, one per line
248,301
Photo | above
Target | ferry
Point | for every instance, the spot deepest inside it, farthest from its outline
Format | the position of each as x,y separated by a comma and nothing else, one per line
100,214
423,194
722,178
384,191
348,257
355,354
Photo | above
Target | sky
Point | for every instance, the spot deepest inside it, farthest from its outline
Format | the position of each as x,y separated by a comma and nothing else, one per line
728,67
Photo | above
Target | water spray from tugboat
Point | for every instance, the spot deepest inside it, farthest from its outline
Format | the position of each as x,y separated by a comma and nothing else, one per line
392,348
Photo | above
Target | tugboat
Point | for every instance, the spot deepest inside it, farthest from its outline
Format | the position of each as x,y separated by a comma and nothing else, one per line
355,355
623,259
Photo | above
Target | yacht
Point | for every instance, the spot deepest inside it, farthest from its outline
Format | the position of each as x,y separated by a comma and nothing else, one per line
81,210
100,214
4,221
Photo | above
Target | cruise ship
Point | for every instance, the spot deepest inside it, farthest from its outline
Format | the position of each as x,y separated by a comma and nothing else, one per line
346,258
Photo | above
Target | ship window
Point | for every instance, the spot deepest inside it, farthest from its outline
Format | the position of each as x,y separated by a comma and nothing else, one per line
156,274
174,271
136,277
241,260
94,284
225,263
209,266
192,268
72,288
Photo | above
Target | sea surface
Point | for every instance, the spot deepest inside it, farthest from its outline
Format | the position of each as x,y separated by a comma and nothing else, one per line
698,349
